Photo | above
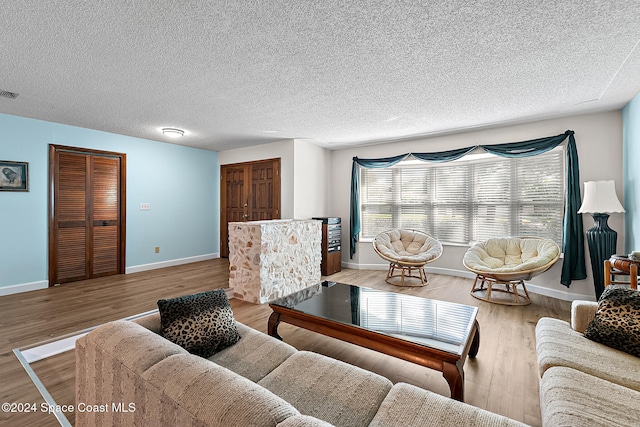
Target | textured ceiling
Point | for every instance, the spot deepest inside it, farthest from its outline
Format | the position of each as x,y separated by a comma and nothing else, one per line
245,72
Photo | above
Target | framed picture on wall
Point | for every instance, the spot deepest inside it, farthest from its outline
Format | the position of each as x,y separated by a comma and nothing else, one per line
14,176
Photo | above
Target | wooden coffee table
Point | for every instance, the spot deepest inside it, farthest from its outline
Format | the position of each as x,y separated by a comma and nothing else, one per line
436,334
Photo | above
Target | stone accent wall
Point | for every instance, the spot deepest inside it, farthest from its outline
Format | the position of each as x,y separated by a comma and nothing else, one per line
271,259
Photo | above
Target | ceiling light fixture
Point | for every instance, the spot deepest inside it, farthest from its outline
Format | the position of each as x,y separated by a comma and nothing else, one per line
173,132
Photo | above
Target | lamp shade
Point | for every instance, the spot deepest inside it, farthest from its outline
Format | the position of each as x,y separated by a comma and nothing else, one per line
600,197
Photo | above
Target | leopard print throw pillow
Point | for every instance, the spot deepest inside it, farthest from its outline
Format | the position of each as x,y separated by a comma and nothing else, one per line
617,321
202,324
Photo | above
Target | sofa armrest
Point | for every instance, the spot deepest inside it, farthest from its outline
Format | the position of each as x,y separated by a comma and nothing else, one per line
582,313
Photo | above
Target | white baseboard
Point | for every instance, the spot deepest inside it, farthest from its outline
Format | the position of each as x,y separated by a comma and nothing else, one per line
23,287
355,266
170,263
535,289
561,295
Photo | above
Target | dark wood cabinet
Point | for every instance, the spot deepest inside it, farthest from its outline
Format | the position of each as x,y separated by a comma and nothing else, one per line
331,245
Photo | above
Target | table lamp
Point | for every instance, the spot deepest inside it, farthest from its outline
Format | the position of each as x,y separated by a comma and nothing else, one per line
600,200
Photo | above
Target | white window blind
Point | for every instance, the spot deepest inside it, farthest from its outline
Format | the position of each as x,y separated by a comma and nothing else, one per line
467,200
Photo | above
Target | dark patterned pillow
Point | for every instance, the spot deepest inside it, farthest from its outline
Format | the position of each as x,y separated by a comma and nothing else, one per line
202,324
617,320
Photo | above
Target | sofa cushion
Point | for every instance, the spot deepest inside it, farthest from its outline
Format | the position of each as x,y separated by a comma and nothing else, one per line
409,406
617,320
194,391
201,323
328,389
255,355
572,398
304,421
559,345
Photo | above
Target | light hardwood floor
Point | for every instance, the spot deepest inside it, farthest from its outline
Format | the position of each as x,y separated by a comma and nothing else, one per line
503,378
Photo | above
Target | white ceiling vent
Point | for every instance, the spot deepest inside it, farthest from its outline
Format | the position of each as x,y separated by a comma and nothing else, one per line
7,94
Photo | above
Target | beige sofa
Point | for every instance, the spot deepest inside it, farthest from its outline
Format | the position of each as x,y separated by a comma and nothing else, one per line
584,383
129,375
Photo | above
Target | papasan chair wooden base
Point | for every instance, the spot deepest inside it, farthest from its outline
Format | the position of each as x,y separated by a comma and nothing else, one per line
406,272
508,290
508,262
407,251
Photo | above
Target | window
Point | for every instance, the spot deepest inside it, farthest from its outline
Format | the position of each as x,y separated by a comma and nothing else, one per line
471,199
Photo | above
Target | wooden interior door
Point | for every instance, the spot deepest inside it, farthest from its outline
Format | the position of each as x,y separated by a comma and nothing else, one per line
264,200
235,191
87,214
249,192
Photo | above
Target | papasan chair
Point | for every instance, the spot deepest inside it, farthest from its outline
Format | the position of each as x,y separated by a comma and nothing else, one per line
407,251
508,262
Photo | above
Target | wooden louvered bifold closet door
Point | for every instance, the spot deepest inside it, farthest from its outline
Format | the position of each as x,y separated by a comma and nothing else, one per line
86,239
105,216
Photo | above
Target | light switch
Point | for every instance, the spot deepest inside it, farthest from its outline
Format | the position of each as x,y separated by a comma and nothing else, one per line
145,206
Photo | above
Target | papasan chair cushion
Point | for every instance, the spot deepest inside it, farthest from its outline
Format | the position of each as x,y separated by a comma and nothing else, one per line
508,262
512,258
408,247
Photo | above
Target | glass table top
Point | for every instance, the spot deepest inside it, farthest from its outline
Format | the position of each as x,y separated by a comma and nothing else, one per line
436,324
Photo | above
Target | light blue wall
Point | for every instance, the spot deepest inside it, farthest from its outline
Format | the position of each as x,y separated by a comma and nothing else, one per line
631,172
180,183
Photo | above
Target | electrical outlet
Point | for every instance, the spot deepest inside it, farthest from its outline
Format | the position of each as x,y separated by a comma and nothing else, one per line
145,206
157,249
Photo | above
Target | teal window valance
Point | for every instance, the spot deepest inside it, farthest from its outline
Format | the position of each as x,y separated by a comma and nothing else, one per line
573,267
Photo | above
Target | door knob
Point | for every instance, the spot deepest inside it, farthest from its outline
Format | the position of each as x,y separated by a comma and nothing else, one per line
245,216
